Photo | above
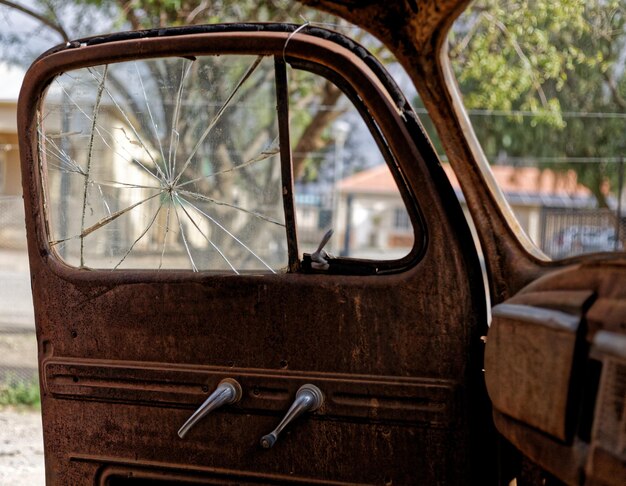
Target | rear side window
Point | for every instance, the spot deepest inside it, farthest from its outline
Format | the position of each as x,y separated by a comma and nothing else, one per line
544,84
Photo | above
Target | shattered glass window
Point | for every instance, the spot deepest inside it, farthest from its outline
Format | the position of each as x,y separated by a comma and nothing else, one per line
165,163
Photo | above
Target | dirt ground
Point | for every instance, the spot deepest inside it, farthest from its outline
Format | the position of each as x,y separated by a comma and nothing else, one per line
21,443
21,448
18,350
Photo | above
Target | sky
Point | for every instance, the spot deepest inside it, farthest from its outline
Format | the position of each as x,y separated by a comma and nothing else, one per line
38,38
23,39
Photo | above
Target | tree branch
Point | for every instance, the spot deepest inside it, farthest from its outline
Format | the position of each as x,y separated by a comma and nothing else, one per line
129,12
201,8
617,97
520,52
37,16
311,139
462,45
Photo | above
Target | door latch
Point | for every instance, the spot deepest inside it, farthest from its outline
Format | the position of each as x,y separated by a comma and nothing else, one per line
227,392
319,258
308,399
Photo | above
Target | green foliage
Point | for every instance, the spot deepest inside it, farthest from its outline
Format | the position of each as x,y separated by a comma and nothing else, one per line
146,14
520,54
537,64
17,392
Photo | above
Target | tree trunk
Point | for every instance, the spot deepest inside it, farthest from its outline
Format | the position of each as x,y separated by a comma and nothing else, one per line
311,139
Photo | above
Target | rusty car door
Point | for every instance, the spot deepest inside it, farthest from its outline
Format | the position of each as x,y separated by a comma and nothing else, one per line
555,357
380,363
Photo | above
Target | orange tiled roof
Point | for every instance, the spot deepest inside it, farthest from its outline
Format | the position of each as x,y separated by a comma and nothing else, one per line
528,180
377,179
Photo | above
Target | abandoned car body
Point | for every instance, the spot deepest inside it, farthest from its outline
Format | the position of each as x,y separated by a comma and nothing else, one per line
376,365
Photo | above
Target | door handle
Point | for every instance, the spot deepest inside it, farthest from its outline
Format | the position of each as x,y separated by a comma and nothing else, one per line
308,399
227,392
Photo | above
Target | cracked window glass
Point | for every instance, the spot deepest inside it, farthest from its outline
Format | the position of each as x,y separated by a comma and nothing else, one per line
165,164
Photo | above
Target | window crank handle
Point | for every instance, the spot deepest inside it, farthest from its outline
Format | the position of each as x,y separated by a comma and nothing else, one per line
228,391
308,399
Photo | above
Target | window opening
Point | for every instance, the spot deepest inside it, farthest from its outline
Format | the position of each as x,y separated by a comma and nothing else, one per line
342,177
544,86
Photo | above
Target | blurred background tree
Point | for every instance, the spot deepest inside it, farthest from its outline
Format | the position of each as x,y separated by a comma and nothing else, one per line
51,21
545,83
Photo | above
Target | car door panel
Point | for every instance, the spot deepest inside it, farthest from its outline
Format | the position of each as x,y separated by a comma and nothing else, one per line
517,269
388,399
127,355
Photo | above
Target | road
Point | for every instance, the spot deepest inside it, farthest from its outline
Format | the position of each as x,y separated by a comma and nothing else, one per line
16,304
21,448
21,442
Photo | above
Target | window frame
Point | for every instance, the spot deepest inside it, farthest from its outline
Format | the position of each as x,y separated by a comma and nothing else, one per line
352,77
4,168
350,265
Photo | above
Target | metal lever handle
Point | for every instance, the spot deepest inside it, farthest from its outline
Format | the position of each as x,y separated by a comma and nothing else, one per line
228,391
319,257
308,399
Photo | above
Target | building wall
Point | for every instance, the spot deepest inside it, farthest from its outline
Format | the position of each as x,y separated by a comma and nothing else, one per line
374,230
10,176
529,218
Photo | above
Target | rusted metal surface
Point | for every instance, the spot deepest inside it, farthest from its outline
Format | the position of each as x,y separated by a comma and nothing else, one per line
564,461
124,353
525,342
572,302
415,32
607,461
585,394
595,453
418,401
282,98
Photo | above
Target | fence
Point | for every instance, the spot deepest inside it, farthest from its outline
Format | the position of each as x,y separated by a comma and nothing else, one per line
568,232
18,348
12,228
